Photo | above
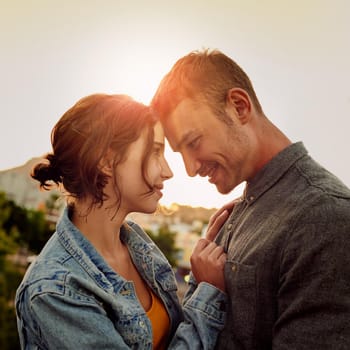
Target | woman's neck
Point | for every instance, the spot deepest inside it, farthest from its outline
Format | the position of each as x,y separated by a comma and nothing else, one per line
102,229
101,226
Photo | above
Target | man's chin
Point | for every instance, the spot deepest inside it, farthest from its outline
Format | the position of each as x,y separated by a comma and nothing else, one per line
223,189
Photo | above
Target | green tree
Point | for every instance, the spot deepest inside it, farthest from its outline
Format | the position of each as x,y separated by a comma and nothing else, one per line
10,278
164,238
37,232
27,227
18,227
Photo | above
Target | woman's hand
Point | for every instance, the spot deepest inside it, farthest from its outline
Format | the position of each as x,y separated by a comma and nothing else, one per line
208,259
207,263
218,219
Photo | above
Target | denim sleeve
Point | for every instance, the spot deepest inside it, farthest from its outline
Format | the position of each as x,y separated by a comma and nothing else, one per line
204,312
81,326
314,290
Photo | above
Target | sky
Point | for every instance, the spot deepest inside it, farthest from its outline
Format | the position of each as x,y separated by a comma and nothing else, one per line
296,53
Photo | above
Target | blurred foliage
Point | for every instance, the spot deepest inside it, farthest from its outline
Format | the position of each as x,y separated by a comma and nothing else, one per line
165,240
19,227
24,227
10,277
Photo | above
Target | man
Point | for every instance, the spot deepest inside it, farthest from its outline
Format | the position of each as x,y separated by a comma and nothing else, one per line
288,238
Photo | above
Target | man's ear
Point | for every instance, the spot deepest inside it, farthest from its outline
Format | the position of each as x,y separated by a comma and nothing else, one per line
240,101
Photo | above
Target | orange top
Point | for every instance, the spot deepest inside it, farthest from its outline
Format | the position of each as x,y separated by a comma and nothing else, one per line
160,323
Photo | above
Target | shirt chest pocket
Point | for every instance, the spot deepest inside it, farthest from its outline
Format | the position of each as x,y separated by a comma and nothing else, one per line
241,287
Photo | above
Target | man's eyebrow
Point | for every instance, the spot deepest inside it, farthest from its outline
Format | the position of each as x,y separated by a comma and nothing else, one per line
184,139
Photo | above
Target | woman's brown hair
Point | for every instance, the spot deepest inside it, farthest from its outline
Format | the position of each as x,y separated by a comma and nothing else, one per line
87,132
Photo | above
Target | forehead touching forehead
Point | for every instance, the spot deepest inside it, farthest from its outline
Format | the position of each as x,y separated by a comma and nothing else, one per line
158,133
184,121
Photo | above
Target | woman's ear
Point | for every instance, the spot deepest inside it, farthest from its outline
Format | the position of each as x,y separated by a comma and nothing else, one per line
240,101
105,166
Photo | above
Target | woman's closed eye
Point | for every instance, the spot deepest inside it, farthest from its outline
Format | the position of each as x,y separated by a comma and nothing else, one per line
158,150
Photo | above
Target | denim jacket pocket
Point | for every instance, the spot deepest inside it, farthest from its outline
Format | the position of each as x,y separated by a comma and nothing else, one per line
136,330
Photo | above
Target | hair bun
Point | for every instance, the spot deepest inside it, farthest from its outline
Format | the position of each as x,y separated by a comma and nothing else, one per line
53,160
46,172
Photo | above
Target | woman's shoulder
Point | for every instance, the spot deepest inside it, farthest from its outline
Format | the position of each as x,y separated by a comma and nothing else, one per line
40,280
48,272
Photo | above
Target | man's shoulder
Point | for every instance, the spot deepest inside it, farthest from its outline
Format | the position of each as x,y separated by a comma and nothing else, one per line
320,180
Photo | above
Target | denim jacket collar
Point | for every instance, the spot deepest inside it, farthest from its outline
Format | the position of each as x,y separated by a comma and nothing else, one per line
81,249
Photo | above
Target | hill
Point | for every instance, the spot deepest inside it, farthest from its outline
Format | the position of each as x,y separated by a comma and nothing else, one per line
21,188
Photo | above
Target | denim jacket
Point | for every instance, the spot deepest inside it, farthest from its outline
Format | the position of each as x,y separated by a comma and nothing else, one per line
71,299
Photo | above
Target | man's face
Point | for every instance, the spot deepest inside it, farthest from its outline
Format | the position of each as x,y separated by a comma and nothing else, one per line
209,147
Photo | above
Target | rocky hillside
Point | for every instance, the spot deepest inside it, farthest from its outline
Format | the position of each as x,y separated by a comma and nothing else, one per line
21,188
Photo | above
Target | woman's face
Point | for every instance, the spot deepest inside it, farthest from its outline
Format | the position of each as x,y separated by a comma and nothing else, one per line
135,194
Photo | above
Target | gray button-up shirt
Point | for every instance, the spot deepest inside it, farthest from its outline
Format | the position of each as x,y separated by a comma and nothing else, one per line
288,269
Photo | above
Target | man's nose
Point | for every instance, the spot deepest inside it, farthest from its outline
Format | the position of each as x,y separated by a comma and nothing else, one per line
191,164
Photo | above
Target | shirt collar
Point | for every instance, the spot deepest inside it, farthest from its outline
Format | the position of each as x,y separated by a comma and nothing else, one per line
273,171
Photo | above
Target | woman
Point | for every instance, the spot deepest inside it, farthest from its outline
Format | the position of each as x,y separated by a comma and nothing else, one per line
100,282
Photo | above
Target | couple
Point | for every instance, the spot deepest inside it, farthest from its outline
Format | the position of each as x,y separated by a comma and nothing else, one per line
277,275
